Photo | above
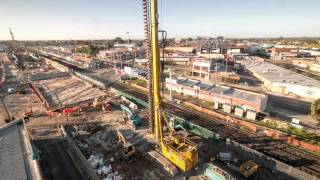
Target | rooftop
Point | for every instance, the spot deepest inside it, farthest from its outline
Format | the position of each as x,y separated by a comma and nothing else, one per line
12,165
221,90
278,74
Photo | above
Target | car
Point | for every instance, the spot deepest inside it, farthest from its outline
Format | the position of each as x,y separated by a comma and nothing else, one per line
11,90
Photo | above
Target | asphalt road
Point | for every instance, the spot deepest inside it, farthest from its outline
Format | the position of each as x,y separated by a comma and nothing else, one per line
289,104
56,164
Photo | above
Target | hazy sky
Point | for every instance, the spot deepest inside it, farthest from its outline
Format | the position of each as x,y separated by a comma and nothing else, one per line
102,19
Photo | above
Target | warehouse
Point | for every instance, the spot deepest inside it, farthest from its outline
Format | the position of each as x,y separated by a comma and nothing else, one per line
279,80
229,99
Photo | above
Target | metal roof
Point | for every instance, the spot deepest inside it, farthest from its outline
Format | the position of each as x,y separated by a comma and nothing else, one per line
11,156
278,74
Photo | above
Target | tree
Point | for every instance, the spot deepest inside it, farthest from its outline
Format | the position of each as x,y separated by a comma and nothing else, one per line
315,107
119,40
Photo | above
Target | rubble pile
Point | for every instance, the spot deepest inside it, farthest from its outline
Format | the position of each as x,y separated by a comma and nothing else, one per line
103,169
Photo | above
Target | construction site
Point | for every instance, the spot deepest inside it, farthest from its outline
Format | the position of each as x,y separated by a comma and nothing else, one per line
60,121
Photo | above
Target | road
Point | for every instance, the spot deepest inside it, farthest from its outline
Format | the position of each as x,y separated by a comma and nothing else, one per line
290,104
56,164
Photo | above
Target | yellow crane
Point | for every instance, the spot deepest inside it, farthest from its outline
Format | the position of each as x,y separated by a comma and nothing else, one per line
178,149
128,148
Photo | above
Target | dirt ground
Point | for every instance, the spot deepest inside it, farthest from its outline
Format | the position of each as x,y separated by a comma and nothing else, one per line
103,142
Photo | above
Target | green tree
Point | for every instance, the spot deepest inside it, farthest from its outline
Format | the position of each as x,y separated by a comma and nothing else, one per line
119,40
315,107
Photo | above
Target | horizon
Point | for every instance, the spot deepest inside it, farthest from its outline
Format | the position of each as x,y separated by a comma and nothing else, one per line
95,20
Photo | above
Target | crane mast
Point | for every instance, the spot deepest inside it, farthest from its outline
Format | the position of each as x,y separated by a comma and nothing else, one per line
156,70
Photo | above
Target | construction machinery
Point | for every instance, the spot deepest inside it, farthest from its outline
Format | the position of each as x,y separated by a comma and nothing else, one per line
131,116
213,172
177,148
248,168
128,149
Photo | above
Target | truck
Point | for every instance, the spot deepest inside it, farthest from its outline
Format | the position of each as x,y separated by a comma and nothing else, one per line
11,91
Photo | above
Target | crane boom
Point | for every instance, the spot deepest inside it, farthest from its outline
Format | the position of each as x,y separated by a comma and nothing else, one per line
11,33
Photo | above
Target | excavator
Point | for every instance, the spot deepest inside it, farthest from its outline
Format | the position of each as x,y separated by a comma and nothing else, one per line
178,149
128,149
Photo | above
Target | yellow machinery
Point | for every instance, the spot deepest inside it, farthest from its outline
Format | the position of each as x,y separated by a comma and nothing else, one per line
128,148
248,168
178,149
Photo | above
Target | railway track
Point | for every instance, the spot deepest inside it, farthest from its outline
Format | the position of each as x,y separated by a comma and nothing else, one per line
293,156
276,149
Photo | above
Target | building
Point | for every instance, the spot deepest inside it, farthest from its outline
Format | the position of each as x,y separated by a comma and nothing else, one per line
220,96
279,80
282,53
202,68
3,48
16,159
173,49
313,53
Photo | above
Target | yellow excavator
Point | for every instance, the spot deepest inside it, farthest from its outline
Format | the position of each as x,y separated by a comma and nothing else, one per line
176,148
128,149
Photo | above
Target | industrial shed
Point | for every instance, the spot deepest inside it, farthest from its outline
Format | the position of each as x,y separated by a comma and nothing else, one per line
220,95
279,80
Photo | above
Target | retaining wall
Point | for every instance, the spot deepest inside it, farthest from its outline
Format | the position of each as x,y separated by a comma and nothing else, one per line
81,162
284,171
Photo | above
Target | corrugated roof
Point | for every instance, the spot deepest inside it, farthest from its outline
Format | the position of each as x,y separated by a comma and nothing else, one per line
278,74
11,156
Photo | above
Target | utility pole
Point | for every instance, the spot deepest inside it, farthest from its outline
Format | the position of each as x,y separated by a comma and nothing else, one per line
128,38
170,73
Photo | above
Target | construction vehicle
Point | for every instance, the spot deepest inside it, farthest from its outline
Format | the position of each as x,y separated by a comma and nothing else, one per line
248,168
213,172
128,149
131,116
102,103
178,149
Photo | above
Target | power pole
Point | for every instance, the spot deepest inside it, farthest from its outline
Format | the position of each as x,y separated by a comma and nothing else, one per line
128,38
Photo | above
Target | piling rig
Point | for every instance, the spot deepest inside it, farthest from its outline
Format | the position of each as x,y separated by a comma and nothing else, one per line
178,149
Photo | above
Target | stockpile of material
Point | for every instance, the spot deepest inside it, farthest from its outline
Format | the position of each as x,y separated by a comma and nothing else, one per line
103,169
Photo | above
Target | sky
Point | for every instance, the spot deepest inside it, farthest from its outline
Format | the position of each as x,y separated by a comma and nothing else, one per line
106,19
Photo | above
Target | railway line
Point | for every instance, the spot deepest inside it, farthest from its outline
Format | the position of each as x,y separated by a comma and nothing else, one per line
276,149
293,156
